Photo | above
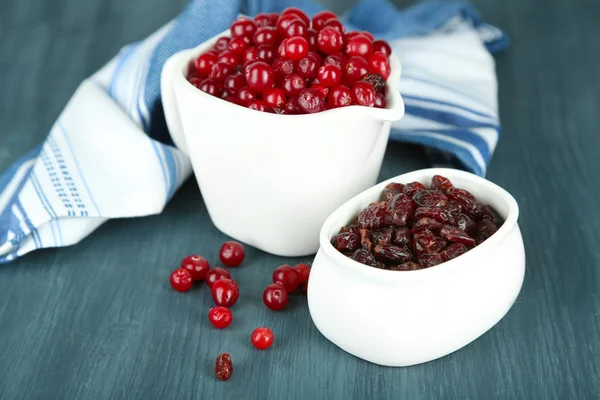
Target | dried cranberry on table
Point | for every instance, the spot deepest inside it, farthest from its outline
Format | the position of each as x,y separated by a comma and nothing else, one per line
223,367
415,227
316,64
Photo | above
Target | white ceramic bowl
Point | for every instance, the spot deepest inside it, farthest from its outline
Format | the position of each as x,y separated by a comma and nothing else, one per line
271,180
401,318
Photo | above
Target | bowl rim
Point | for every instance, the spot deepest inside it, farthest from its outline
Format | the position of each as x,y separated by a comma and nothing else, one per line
393,111
447,266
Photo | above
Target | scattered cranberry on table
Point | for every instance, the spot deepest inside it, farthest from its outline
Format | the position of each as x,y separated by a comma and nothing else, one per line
215,274
314,65
181,280
197,266
414,227
220,317
262,338
223,367
225,292
275,297
232,254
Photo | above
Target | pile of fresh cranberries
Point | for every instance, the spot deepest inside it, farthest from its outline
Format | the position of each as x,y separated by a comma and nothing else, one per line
289,64
414,227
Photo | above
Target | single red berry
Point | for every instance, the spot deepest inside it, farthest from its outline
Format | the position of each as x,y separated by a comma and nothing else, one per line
379,64
380,100
266,35
291,107
266,53
321,88
355,69
293,84
196,81
238,44
223,367
220,317
350,35
339,96
298,13
222,43
260,76
330,75
220,71
274,97
250,55
368,34
335,23
283,23
262,19
287,277
319,19
215,51
181,280
296,47
225,292
211,87
329,40
204,64
257,105
334,60
234,82
296,28
245,95
281,50
363,94
232,253
359,45
282,67
262,338
382,46
197,266
311,101
308,66
215,274
275,297
303,271
243,27
229,58
311,38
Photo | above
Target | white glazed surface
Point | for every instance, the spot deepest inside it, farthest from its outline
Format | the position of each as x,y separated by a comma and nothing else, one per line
271,180
402,318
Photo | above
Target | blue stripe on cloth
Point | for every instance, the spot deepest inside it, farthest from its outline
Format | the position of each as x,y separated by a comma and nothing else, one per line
409,97
465,136
157,151
8,175
123,57
171,169
32,231
448,118
45,203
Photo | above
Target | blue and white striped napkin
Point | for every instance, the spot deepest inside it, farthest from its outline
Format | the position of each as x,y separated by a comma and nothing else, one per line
109,154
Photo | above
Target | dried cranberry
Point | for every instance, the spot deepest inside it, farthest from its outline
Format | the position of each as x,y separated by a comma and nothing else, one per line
223,367
383,236
430,198
319,19
464,198
311,100
402,237
464,222
453,234
364,257
486,212
438,214
243,27
426,223
430,260
441,183
407,266
373,216
399,210
392,189
391,254
366,239
376,80
382,46
453,251
359,45
426,242
485,228
411,188
351,228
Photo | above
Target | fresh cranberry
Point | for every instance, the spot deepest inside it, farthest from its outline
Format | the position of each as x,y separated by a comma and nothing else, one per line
363,94
355,69
225,292
281,50
181,280
340,96
319,19
275,297
296,47
273,18
329,40
243,27
220,317
196,265
260,76
359,45
368,35
234,82
291,107
333,60
196,81
287,277
293,84
229,58
215,274
266,35
266,53
211,87
232,253
274,97
283,23
311,38
330,75
379,64
350,35
204,63
303,271
298,13
296,28
257,105
262,338
382,46
222,43
245,95
282,67
262,19
223,367
220,71
238,44
250,55
335,23
311,101
323,89
380,100
308,66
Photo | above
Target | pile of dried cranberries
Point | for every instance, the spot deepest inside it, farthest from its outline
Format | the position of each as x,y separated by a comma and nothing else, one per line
289,64
414,227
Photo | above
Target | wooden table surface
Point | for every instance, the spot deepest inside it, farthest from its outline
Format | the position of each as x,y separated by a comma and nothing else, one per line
98,320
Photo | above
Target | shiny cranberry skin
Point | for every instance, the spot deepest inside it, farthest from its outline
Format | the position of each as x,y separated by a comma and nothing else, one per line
296,28
257,105
303,271
196,81
260,76
274,97
311,38
196,265
330,75
295,48
350,35
262,19
266,35
355,69
283,67
181,280
297,13
329,40
359,45
275,297
222,43
225,292
220,317
291,107
363,94
250,55
333,60
204,64
283,23
311,100
238,44
340,96
232,253
319,19
245,95
380,100
368,35
273,18
243,27
379,64
335,23
220,71
382,46
262,338
215,274
293,84
308,66
323,89
287,277
211,87
266,53
234,82
229,58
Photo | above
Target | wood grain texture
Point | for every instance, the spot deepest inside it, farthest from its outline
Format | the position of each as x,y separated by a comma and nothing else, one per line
98,320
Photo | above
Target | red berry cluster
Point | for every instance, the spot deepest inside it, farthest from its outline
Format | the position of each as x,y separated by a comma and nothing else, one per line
414,227
289,64
286,279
